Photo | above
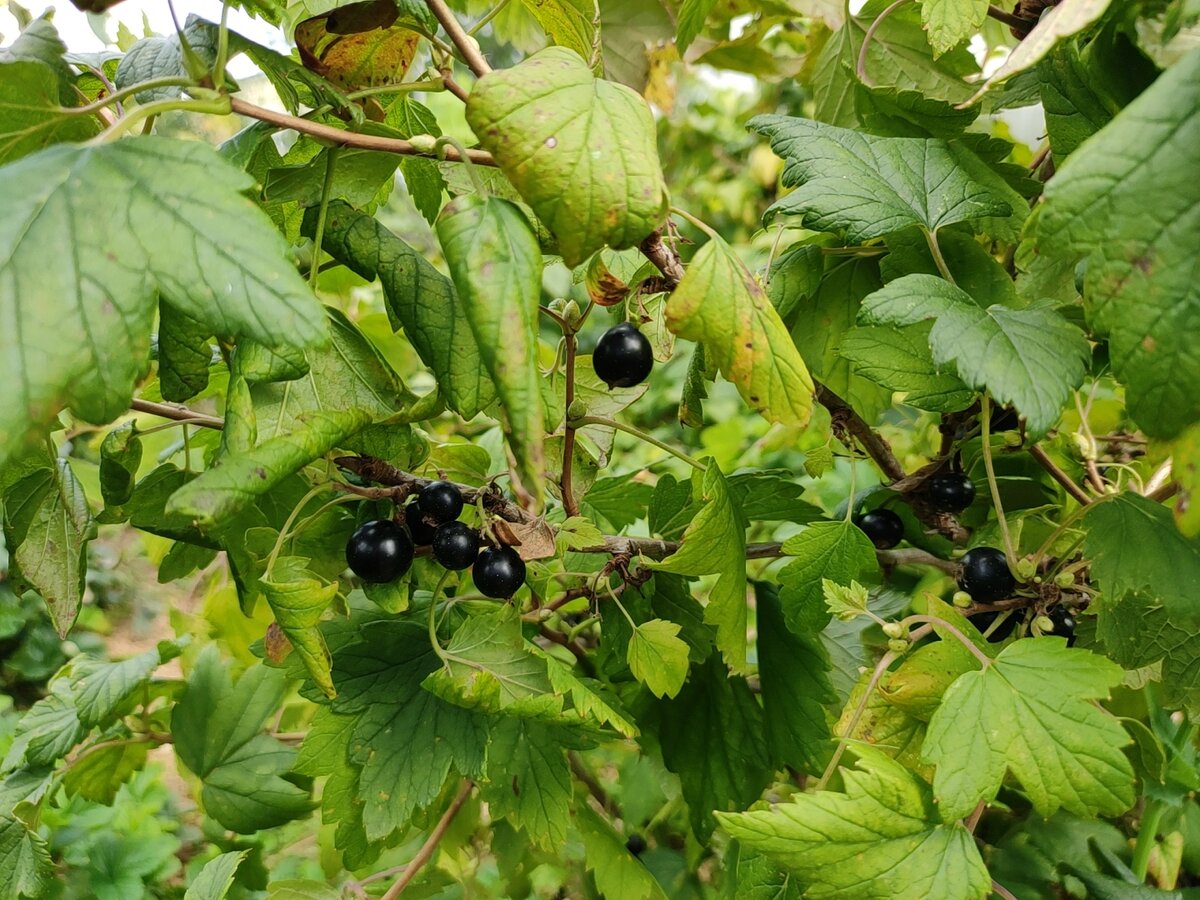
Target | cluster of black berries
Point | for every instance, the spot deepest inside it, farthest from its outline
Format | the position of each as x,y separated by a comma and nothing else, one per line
381,551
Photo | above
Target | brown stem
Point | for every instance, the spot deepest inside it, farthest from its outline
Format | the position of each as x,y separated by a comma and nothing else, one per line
453,86
976,815
350,138
557,637
876,447
595,788
464,42
177,413
1001,891
915,556
664,258
1012,21
427,849
1059,475
568,450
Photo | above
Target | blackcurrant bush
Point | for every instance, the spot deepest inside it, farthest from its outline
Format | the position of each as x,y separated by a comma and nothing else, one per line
499,572
422,532
950,492
440,501
883,527
379,551
623,357
636,844
983,621
985,575
455,545
1064,623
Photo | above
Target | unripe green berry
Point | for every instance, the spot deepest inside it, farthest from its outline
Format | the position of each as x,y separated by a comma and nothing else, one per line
1064,579
898,645
962,599
893,629
1044,624
1026,569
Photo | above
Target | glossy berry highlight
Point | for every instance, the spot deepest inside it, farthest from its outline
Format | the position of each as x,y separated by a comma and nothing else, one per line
623,356
884,528
950,492
985,575
440,501
455,545
499,572
1064,623
379,551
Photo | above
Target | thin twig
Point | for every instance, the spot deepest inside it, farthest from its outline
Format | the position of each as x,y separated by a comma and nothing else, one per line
1059,475
427,849
350,138
915,556
178,413
568,449
976,815
1012,21
869,439
1002,891
465,44
595,788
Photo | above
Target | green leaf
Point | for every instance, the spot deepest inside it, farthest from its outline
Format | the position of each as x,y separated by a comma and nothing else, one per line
184,354
223,491
31,116
658,657
569,23
1136,631
120,457
359,177
1140,285
771,495
163,216
866,187
844,602
47,526
216,725
950,22
836,551
880,839
1031,358
691,21
793,673
632,30
720,304
618,874
47,731
98,775
419,299
101,688
500,299
161,57
715,544
1028,713
25,864
900,360
1135,547
298,599
582,152
1063,20
530,781
712,737
216,878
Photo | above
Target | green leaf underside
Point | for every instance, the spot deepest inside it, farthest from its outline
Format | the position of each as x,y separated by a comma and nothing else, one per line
557,132
1031,358
496,265
30,111
1028,713
298,599
881,839
1135,218
163,217
866,187
720,304
950,22
837,551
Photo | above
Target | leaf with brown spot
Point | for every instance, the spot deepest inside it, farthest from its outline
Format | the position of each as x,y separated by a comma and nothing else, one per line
357,46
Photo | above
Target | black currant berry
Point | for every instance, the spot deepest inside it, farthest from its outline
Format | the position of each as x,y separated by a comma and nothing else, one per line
623,357
499,572
950,492
379,551
455,545
985,575
1064,623
983,621
636,844
422,532
440,501
883,527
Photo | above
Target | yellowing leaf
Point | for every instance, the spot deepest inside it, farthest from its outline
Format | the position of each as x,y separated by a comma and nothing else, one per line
720,304
581,151
298,600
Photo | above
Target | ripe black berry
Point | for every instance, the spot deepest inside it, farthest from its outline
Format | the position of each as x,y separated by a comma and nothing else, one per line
983,621
985,575
421,531
636,844
950,492
499,572
883,527
623,357
379,551
455,545
1064,623
440,501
